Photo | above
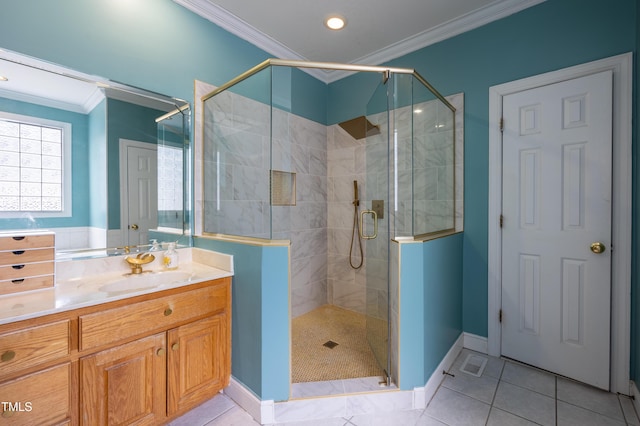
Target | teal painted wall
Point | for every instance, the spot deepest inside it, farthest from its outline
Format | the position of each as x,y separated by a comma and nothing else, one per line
153,44
442,260
80,170
412,309
430,306
260,356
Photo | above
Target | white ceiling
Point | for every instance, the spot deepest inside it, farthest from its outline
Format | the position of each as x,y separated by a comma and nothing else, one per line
376,31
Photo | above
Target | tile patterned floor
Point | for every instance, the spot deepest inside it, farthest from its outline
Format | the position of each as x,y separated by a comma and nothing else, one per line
507,393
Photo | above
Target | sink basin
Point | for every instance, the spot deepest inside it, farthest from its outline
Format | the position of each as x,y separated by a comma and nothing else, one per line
145,280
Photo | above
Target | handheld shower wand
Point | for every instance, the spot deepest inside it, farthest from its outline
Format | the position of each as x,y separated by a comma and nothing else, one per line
356,228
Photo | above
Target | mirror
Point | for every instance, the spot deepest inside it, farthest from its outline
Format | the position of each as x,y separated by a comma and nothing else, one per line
101,164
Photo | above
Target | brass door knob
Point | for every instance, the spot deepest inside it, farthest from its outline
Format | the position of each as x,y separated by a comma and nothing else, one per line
175,347
134,227
160,352
598,247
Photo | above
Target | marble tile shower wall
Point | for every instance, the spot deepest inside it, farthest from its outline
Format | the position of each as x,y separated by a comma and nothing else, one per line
346,163
426,169
300,146
237,200
236,167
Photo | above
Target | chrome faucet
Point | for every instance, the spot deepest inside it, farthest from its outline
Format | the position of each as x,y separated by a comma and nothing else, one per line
136,262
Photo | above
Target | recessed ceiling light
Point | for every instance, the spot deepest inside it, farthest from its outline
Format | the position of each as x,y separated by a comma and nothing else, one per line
335,22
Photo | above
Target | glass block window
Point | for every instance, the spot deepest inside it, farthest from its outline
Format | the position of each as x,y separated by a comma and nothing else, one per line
170,185
32,165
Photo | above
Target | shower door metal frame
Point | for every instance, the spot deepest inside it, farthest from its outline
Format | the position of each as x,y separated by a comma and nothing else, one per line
327,66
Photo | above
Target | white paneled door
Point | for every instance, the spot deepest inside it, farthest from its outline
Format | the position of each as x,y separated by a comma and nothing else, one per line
142,197
556,235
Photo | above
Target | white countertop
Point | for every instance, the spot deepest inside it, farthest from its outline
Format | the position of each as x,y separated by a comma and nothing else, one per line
109,280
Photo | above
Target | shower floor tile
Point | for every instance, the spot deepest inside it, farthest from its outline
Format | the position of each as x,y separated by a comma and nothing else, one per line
314,361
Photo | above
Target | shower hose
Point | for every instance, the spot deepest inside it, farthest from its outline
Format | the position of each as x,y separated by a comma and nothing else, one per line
355,231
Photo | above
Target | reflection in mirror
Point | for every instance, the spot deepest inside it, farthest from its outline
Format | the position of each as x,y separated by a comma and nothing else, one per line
90,159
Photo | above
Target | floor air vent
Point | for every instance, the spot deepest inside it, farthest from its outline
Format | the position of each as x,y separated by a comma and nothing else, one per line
474,365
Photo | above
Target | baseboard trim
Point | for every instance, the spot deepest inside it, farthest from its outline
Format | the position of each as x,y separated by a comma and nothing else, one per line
476,343
262,411
422,396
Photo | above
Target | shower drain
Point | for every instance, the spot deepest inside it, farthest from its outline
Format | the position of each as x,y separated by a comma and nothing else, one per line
330,344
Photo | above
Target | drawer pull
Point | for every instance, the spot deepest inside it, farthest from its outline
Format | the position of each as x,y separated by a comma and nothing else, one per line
18,238
168,312
7,413
175,346
160,352
7,356
17,266
18,281
18,252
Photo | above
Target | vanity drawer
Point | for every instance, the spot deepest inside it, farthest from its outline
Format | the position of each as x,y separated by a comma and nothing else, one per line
23,284
17,241
23,270
42,398
14,257
35,345
116,324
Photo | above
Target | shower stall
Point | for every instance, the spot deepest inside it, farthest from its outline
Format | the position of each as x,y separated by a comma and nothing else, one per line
273,172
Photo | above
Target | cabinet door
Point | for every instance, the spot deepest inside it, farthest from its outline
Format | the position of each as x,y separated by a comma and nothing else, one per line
125,384
41,398
198,362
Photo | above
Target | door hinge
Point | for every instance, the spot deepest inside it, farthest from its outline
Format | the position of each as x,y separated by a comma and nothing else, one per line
500,315
501,221
501,124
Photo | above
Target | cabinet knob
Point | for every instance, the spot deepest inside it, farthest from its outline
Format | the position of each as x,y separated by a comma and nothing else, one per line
7,356
7,413
175,346
168,312
160,352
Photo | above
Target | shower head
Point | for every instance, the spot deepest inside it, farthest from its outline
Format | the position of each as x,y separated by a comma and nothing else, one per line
360,127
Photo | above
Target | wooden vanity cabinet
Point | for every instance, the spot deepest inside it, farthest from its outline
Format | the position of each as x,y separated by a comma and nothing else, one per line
143,360
148,379
198,362
126,384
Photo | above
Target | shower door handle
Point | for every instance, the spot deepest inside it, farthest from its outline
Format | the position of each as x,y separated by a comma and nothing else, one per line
375,224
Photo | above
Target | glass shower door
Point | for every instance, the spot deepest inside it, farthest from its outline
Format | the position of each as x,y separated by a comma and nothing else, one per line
375,226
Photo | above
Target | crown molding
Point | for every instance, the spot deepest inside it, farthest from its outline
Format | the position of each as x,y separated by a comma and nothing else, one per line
231,23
